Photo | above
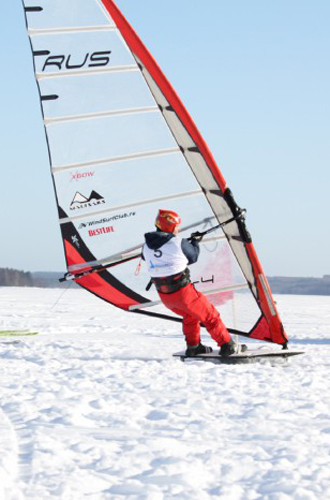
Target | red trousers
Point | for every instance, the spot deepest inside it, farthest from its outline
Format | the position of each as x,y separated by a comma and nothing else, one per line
194,307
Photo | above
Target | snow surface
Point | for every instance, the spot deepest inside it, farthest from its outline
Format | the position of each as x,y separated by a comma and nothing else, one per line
96,407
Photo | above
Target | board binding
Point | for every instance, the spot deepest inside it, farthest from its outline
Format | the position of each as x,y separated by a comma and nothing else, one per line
259,352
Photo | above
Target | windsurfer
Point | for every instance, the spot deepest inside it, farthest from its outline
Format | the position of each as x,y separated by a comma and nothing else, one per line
167,257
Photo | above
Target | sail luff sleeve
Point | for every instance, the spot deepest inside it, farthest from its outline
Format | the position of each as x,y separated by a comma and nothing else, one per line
272,328
266,301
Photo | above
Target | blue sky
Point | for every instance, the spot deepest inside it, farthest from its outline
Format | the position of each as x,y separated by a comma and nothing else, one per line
255,77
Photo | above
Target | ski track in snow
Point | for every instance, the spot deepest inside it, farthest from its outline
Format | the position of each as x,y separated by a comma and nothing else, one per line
95,407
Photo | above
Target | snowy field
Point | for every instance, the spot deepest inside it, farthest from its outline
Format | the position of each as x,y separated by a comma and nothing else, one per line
95,407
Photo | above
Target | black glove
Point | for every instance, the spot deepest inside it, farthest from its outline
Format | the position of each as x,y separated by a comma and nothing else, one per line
197,236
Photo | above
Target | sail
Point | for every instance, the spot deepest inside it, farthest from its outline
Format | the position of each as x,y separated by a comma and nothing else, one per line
122,145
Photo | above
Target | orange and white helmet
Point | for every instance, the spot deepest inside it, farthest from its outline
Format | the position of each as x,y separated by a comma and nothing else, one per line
167,221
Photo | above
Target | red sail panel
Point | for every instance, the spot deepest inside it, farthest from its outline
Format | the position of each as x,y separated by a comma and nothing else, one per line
102,284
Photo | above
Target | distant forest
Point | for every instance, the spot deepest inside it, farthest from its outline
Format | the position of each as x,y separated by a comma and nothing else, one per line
281,285
300,286
13,277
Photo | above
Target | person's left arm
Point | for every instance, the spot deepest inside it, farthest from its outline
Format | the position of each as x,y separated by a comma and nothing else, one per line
190,249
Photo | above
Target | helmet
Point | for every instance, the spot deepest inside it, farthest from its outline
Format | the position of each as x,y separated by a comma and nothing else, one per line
167,221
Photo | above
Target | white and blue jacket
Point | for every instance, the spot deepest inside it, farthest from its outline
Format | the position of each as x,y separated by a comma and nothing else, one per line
167,255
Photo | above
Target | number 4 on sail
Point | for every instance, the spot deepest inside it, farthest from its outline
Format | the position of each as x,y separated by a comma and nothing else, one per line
121,145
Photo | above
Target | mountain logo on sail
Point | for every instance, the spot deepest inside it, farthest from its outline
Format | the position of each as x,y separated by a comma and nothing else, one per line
81,201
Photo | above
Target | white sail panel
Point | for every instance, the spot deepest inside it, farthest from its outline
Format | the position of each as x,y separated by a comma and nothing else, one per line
81,95
86,141
44,14
164,176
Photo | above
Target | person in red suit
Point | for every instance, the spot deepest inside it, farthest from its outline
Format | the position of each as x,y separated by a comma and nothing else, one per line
167,256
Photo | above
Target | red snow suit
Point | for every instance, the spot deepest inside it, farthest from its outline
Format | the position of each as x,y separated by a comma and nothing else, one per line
194,307
167,257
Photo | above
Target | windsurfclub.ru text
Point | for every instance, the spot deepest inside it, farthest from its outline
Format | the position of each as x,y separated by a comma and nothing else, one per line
107,219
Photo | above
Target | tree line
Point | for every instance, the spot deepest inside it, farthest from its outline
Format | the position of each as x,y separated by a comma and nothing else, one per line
13,277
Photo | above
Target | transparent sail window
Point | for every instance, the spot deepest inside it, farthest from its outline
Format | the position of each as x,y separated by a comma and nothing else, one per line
237,308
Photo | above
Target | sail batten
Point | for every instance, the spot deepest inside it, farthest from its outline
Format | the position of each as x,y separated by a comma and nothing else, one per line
149,109
59,31
82,72
103,263
228,288
146,154
33,9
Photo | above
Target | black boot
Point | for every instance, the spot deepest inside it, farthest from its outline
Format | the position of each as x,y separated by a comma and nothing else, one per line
230,348
192,351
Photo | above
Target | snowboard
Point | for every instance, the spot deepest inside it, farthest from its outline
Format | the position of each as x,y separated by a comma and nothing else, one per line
253,353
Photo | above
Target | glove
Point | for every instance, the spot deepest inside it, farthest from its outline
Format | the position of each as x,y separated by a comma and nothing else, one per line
197,236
